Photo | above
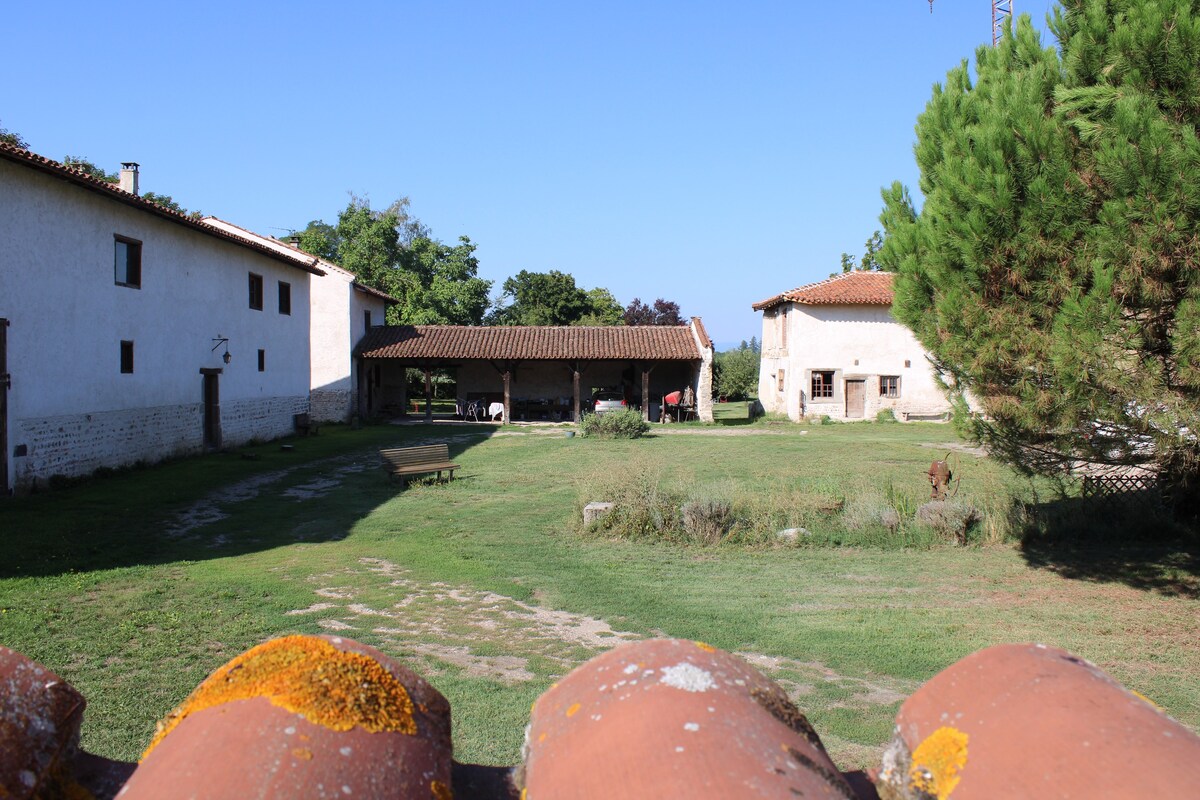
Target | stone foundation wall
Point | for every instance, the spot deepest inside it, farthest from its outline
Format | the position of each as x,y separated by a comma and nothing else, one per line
264,418
79,444
331,406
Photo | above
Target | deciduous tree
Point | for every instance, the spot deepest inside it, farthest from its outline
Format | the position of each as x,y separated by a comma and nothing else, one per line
1054,269
392,251
663,312
540,298
441,285
13,138
735,372
603,309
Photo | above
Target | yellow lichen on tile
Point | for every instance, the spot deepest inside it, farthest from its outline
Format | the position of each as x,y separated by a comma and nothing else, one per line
706,647
1147,700
310,677
573,710
937,762
302,753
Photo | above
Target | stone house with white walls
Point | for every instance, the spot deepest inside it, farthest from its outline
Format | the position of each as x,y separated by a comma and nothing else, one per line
833,348
342,311
129,332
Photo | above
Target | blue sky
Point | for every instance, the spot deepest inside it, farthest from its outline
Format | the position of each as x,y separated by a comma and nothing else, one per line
710,153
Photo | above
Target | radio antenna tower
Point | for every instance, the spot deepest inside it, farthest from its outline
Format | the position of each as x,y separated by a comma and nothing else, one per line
1000,10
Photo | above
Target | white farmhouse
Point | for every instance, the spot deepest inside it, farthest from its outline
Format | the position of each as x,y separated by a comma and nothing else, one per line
343,310
833,348
129,332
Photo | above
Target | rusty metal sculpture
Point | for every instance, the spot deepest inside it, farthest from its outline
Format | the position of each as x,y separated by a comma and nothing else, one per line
942,482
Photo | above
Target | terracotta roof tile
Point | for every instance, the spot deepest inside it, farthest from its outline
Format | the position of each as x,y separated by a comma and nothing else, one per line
848,289
701,332
19,155
656,718
663,343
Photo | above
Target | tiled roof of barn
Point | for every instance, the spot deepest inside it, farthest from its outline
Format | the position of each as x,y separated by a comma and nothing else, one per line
701,332
618,343
859,288
19,155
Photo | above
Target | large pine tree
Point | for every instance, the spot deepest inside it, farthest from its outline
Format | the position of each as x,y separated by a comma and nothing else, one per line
1054,267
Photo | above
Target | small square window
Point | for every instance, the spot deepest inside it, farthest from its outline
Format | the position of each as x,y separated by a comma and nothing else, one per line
262,360
889,385
256,292
822,384
127,262
285,298
126,357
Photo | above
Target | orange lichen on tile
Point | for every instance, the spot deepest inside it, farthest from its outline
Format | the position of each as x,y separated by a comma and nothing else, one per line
302,753
573,710
308,676
1147,700
440,791
706,647
937,762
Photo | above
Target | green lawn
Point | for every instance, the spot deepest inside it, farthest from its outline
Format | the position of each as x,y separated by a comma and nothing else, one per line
135,586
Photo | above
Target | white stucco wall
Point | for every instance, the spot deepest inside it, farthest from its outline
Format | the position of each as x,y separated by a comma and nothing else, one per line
338,324
857,343
70,408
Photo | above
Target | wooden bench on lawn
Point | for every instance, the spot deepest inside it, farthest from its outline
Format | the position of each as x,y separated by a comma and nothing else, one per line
406,461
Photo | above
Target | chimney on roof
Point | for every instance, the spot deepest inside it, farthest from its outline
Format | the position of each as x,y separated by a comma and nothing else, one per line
294,241
129,176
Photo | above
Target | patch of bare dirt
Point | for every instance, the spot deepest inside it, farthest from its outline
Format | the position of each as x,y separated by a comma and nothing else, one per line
957,447
446,626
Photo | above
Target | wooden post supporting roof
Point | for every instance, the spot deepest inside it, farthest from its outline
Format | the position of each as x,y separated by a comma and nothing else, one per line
4,383
362,389
577,368
507,395
428,394
646,391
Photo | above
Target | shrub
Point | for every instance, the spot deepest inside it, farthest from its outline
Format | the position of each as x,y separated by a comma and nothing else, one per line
641,506
623,424
824,419
949,518
706,521
885,415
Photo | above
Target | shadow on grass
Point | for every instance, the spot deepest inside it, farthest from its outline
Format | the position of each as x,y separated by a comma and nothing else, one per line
1135,543
218,505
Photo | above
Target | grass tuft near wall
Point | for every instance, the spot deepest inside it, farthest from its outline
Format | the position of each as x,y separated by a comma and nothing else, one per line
651,502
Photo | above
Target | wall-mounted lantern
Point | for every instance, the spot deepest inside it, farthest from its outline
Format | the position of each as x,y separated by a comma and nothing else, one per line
219,340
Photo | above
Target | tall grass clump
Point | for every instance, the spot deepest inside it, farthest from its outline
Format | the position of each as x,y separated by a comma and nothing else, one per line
623,424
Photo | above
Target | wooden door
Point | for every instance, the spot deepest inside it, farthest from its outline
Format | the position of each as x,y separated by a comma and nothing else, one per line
212,409
4,381
856,399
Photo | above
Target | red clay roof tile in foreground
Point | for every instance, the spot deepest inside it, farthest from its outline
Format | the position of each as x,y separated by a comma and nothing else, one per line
1035,721
658,718
19,155
303,716
673,718
456,342
857,288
